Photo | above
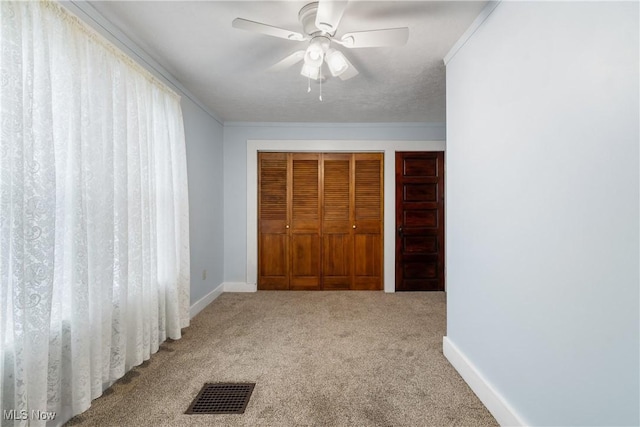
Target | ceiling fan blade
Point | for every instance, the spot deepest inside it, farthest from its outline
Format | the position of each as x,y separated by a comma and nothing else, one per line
376,38
329,14
269,30
349,72
287,62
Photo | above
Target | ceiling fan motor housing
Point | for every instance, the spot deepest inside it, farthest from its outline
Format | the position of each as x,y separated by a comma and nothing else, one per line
307,18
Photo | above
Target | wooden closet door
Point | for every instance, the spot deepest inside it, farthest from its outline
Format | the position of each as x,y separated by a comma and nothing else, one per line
367,224
320,221
305,208
273,237
337,219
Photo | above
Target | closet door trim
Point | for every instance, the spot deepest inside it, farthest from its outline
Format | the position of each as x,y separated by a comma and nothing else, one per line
388,147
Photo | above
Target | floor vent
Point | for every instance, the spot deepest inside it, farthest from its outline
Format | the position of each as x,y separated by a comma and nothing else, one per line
222,398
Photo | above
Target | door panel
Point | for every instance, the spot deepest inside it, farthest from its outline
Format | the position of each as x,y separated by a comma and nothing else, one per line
367,262
305,259
336,221
421,285
368,188
305,205
273,242
337,255
427,218
367,224
421,268
305,221
420,221
274,271
367,259
419,166
420,244
420,192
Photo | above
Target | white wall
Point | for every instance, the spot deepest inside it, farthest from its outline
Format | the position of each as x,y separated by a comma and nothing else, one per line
543,211
203,137
291,137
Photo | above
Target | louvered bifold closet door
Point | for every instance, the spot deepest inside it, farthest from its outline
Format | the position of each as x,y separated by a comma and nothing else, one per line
337,239
320,221
367,227
273,236
305,221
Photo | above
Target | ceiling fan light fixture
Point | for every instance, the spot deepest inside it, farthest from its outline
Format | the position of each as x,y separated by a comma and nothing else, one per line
314,55
316,51
310,71
336,62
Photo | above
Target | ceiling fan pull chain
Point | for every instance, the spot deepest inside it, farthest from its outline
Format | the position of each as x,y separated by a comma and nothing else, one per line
320,77
308,84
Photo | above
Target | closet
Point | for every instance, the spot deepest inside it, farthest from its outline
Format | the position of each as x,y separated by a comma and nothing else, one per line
320,221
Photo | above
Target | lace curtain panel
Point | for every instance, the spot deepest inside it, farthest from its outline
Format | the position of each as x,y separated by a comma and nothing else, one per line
94,232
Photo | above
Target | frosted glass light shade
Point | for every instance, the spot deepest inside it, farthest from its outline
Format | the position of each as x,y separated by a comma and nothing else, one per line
336,62
310,71
314,55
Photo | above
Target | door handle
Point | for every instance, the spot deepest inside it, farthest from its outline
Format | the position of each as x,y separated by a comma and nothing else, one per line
400,231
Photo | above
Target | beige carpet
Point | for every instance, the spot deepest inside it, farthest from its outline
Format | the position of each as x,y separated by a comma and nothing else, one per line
317,358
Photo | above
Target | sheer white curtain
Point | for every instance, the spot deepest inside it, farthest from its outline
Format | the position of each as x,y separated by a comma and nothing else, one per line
94,249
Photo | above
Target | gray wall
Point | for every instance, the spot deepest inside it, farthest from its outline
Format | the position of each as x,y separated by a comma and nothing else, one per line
542,209
203,136
235,168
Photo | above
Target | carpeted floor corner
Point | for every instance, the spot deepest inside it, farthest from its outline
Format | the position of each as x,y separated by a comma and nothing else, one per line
317,358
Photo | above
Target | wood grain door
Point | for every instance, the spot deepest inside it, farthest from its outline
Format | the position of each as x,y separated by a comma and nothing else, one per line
320,221
420,221
304,242
273,233
367,221
337,220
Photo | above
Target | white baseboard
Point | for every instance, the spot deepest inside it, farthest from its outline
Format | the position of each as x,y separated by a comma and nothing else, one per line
240,287
199,305
494,401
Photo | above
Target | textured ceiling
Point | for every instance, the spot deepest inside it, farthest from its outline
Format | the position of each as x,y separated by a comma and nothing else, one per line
225,68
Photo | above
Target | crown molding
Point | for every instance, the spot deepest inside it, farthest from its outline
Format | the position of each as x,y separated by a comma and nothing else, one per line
477,23
89,15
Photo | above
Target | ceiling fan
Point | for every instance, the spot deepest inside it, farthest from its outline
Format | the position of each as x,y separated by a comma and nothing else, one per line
320,22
